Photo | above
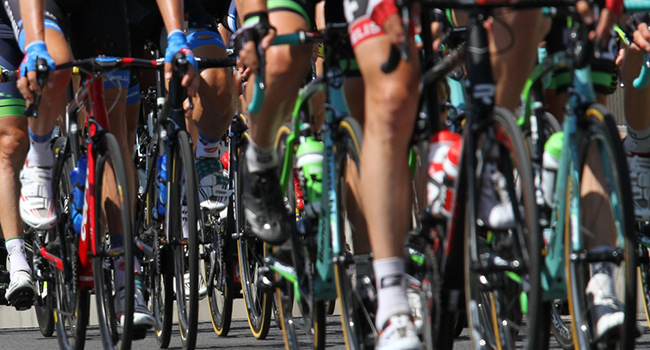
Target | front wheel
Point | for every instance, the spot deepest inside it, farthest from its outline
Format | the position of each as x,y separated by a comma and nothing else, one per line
182,223
600,238
113,263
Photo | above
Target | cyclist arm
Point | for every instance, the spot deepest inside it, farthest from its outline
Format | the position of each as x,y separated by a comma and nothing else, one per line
637,27
32,13
254,13
172,14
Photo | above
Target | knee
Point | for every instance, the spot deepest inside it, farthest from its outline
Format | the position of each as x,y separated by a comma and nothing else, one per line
14,144
288,65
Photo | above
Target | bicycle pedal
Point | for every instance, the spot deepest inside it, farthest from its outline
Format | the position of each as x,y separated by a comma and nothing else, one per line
22,301
139,333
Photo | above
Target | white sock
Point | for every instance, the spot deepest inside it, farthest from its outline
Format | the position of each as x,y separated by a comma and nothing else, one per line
637,141
601,281
260,158
118,272
40,150
16,253
210,148
391,290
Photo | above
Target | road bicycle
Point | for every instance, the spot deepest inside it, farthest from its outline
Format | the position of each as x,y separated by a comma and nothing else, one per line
172,236
312,267
85,262
589,133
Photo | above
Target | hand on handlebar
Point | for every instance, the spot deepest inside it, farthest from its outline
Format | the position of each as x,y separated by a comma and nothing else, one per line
638,26
606,20
247,39
28,84
177,42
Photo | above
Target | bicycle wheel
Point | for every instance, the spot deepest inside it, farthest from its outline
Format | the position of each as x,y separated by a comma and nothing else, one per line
500,264
600,215
113,218
644,266
71,305
44,303
218,267
305,327
182,229
357,307
251,252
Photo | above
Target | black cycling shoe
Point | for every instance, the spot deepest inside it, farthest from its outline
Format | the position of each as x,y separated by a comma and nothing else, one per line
264,206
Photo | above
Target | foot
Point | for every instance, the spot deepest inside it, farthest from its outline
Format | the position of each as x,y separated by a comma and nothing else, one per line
399,333
142,317
21,290
606,310
203,288
214,185
495,209
36,205
639,167
264,206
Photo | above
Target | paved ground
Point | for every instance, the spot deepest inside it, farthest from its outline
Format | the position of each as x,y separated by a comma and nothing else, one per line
239,338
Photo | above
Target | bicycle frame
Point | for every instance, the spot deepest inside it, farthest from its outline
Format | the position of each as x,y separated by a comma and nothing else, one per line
324,288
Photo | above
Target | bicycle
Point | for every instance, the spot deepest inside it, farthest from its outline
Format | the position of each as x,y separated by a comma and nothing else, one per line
587,125
84,262
305,268
172,236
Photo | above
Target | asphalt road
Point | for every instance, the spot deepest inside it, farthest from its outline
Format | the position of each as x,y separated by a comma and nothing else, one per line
239,338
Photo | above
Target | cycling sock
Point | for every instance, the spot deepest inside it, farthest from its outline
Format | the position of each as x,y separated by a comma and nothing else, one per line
637,141
16,253
40,150
391,289
260,158
119,275
207,147
601,281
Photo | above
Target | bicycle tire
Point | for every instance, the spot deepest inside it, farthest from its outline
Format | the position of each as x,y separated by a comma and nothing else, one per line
494,296
311,314
71,305
644,268
217,246
159,276
597,127
357,314
250,250
183,190
44,296
108,214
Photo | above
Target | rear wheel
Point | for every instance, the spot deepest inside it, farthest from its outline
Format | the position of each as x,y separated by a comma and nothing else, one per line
499,263
112,261
218,267
601,229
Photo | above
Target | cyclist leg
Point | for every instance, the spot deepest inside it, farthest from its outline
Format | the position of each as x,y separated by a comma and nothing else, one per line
286,67
36,206
104,25
213,110
14,144
390,108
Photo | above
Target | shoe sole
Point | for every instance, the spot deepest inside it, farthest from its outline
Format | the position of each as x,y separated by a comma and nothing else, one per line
22,299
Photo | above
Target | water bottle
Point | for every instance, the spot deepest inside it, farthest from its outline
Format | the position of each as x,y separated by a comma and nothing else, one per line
310,172
78,179
162,185
550,163
444,154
